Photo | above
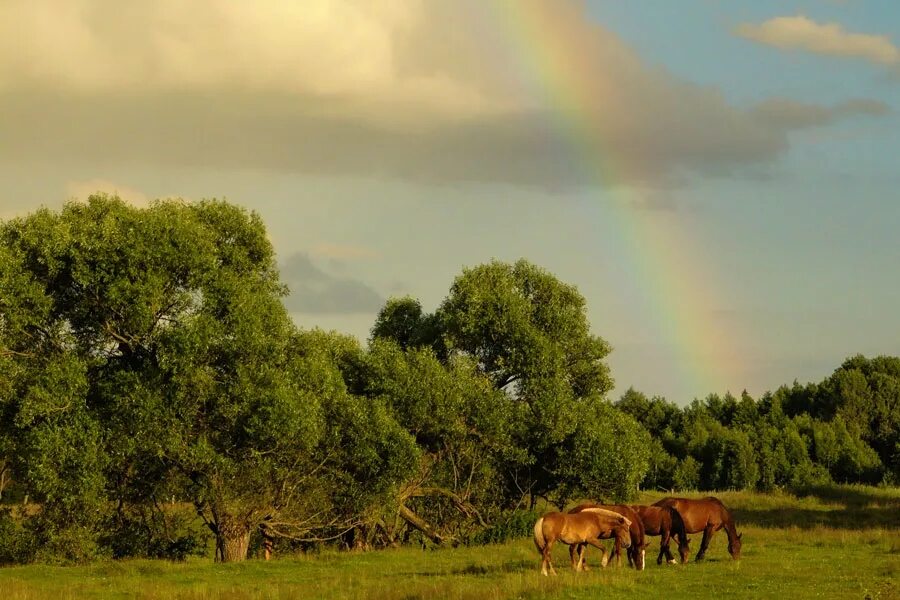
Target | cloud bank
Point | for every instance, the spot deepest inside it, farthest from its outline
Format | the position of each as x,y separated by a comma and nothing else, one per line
430,91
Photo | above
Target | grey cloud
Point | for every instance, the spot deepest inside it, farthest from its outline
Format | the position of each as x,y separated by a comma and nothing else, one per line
433,109
786,114
313,290
232,130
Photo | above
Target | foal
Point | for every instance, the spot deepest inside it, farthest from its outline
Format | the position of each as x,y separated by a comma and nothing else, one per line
587,527
637,550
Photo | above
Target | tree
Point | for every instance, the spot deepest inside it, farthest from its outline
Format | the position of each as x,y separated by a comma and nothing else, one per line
403,321
528,334
463,427
151,354
606,458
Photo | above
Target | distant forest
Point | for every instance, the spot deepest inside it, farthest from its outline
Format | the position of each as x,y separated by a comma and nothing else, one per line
845,429
155,395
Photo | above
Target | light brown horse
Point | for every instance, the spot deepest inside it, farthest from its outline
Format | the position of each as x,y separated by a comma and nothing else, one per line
707,515
637,550
665,522
587,527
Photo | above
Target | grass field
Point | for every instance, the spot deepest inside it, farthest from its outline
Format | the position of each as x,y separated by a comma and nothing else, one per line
828,543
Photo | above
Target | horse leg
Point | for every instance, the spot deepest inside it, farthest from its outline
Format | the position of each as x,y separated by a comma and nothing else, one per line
665,537
604,559
546,562
704,543
576,555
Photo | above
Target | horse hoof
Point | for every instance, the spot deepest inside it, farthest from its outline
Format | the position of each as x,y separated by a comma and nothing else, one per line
672,562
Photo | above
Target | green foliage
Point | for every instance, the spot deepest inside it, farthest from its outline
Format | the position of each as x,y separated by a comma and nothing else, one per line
687,475
606,458
150,354
661,469
528,334
512,525
14,547
524,326
165,532
403,321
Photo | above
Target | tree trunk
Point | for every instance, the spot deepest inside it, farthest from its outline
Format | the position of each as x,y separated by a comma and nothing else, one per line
232,540
420,524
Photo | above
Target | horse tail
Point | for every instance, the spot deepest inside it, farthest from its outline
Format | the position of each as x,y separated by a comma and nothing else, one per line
678,525
539,540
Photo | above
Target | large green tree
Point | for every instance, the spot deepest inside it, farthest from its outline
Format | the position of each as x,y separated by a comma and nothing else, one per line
527,333
147,353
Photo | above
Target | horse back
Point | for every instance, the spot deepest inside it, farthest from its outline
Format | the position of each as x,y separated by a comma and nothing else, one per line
571,527
654,518
636,526
697,514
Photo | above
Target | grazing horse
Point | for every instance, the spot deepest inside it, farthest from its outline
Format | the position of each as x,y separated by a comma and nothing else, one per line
665,522
587,527
638,548
707,515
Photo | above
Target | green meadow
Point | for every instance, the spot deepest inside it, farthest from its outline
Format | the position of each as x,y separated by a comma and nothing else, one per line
830,542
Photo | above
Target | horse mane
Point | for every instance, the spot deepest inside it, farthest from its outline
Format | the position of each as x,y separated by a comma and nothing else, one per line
607,513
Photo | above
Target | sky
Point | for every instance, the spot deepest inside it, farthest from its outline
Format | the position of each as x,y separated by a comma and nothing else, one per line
719,179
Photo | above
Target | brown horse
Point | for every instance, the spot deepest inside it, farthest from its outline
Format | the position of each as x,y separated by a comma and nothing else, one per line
638,549
665,522
707,515
587,527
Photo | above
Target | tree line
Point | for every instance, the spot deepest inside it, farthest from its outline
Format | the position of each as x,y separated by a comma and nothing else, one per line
147,364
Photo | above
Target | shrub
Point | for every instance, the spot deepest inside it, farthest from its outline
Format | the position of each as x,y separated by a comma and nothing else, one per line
516,524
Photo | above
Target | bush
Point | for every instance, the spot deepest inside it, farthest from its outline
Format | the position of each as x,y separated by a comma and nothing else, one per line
77,544
517,524
13,541
172,537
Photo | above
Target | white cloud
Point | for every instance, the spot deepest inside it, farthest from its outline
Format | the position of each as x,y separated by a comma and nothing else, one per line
801,33
333,49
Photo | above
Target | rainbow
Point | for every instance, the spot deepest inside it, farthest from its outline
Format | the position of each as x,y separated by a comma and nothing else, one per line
664,268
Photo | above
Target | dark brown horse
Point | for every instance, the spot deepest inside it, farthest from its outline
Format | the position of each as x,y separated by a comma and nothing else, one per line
587,527
665,522
638,548
707,515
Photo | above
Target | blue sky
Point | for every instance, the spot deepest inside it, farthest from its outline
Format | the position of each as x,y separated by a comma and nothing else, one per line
388,144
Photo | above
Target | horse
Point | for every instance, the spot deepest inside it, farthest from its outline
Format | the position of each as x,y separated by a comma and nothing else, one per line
587,527
665,522
638,549
707,515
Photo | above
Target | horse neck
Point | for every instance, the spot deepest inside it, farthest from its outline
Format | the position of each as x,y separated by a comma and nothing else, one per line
728,523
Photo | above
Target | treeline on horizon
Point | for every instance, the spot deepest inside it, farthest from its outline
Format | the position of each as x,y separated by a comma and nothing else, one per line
155,394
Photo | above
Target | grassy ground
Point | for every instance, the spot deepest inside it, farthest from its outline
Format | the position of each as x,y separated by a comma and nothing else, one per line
823,544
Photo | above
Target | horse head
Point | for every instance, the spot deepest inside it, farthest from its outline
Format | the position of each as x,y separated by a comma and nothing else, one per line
639,555
684,548
734,546
623,531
